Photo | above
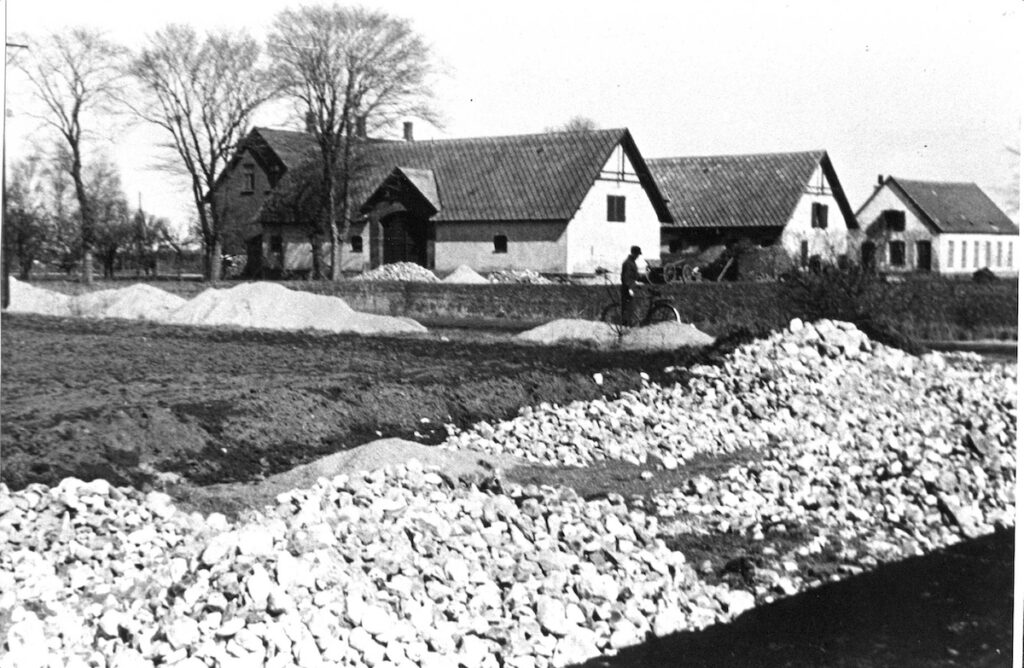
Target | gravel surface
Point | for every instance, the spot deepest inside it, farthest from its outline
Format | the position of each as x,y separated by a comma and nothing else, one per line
874,453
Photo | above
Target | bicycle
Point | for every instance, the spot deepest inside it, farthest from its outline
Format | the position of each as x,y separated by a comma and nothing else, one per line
660,308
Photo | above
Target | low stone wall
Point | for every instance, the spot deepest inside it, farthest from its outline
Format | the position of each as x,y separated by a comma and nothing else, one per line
928,309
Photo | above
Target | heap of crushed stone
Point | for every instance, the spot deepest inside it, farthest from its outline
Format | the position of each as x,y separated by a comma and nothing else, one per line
399,271
527,276
464,274
26,298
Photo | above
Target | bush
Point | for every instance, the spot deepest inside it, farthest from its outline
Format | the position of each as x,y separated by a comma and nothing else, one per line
984,275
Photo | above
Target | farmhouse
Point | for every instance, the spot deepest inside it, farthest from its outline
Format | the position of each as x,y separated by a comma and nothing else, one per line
938,226
793,200
564,202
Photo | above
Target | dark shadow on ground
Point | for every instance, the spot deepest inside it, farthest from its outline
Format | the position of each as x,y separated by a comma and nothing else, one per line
953,607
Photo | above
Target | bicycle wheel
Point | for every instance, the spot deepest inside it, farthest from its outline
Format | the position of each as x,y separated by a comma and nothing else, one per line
662,313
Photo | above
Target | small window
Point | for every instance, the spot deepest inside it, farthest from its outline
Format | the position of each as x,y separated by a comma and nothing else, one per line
805,251
963,255
895,221
897,253
999,253
500,243
952,254
819,215
1009,254
977,254
356,244
248,178
616,209
276,245
988,253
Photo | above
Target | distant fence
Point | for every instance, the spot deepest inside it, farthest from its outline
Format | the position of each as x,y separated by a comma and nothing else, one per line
929,309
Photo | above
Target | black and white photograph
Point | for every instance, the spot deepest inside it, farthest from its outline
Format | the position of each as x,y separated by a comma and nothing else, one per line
510,335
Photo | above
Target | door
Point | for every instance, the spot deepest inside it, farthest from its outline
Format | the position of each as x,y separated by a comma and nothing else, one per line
924,256
405,239
867,255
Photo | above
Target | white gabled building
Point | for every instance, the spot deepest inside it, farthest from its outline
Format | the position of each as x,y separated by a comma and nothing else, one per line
558,202
793,200
937,226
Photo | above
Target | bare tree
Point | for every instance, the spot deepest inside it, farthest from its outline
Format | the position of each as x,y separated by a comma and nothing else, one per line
344,66
202,91
575,124
76,75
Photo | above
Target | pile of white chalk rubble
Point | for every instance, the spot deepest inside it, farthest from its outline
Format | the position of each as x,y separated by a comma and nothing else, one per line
872,453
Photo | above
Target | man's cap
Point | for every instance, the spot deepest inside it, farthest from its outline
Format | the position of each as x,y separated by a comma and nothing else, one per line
635,250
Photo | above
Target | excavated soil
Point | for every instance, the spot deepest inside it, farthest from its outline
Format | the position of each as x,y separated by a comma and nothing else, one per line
128,400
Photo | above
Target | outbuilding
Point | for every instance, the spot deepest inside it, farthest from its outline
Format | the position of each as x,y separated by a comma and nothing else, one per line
936,226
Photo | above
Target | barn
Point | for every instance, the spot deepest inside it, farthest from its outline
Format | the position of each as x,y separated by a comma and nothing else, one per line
557,202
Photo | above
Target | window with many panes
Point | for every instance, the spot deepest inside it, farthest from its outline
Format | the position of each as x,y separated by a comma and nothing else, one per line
999,253
897,253
963,255
616,209
819,215
977,254
952,253
988,253
500,243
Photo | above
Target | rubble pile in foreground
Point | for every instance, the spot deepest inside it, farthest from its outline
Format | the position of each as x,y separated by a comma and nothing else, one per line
854,448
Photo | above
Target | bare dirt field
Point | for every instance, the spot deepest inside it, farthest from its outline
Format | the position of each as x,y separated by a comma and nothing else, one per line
121,400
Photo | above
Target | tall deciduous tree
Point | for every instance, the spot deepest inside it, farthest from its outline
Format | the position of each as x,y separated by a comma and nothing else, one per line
202,90
346,66
76,76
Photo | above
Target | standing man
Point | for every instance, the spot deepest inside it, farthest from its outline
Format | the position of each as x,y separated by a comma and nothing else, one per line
630,275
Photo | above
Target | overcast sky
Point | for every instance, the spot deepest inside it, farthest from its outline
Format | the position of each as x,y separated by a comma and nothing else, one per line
916,89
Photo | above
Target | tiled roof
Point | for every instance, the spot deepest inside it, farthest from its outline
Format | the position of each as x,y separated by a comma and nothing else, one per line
291,148
522,177
759,190
955,207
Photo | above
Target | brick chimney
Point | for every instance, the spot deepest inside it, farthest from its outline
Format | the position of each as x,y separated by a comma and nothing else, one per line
407,130
881,179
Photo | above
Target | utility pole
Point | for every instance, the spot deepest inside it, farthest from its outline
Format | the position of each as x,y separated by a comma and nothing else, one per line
5,285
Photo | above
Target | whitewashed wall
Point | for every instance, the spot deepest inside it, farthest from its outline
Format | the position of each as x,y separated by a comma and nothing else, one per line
593,241
998,252
828,243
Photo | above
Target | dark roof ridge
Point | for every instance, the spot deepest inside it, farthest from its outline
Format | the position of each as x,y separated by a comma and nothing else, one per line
476,138
900,179
738,155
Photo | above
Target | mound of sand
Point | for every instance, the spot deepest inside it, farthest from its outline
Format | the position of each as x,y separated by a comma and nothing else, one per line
464,274
271,306
135,302
27,298
570,330
664,336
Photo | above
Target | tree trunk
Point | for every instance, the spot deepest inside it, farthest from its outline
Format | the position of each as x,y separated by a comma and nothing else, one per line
85,209
316,245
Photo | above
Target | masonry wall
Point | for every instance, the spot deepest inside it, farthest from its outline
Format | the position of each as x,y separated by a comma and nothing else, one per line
875,232
536,245
239,205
